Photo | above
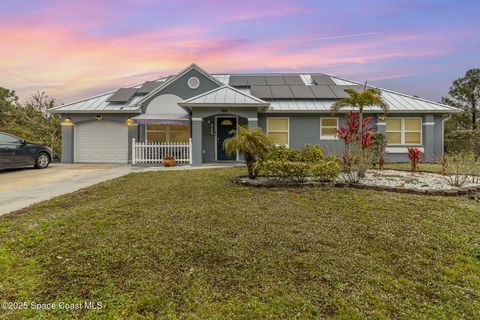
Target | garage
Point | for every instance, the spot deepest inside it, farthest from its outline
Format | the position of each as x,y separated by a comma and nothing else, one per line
101,141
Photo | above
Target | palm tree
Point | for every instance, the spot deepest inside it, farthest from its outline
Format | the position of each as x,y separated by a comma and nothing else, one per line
370,97
252,142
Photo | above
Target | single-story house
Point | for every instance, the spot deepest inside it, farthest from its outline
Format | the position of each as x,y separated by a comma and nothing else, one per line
197,111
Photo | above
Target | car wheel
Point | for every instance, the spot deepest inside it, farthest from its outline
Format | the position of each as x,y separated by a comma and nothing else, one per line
42,161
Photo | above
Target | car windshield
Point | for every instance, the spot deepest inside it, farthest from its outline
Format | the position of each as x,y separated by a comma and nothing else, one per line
9,139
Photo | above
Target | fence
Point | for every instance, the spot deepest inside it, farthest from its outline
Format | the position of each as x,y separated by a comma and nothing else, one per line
154,152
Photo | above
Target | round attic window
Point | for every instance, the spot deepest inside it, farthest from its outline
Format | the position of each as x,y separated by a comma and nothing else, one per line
193,83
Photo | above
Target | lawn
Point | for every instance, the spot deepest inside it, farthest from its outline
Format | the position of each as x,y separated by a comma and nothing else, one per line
189,244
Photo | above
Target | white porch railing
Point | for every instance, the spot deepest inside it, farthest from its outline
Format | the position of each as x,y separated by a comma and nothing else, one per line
154,152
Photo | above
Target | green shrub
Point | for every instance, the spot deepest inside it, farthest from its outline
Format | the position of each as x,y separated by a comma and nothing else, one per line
283,153
460,165
326,170
312,153
283,170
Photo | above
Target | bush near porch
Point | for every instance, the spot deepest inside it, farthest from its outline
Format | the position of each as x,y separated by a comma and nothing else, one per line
210,249
288,165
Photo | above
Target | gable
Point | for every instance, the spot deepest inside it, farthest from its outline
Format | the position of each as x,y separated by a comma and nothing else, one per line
180,87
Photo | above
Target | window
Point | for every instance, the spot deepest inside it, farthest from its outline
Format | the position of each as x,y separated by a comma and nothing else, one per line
277,129
8,139
168,133
404,131
328,128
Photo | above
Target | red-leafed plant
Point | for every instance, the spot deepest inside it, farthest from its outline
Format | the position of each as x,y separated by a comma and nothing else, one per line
350,133
414,154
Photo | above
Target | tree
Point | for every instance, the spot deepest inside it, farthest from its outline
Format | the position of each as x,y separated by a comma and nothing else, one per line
252,142
369,97
465,94
30,120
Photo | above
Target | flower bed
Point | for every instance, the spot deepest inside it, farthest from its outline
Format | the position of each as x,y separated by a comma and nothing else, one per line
383,180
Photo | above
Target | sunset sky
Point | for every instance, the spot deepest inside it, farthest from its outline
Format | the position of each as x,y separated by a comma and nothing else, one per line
75,49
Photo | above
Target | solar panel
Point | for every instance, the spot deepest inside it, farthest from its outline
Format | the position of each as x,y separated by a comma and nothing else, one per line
238,81
281,92
148,87
122,95
322,79
256,81
339,91
323,92
262,92
302,92
275,81
293,80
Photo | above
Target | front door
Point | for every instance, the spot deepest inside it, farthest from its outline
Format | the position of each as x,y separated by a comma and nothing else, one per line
225,125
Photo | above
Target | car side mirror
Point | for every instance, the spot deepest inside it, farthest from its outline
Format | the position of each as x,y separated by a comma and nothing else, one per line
24,142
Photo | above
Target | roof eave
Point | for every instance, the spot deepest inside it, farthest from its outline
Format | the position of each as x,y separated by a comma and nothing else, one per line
92,111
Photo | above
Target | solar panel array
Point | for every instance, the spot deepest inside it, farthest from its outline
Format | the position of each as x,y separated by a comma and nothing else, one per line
122,95
301,92
322,79
290,86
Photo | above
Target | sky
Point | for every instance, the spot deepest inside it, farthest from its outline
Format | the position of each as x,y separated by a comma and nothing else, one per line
76,49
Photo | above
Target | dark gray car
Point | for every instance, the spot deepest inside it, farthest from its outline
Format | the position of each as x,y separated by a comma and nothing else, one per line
16,152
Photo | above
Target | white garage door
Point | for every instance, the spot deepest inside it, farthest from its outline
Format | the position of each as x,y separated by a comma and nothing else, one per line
101,141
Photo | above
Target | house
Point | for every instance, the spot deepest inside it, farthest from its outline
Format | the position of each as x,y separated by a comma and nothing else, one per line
198,110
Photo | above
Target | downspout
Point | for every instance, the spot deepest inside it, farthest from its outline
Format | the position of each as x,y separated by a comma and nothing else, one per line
443,133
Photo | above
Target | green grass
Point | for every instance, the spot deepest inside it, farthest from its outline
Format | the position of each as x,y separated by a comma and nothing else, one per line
189,244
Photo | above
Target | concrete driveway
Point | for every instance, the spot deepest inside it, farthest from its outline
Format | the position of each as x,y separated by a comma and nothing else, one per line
22,187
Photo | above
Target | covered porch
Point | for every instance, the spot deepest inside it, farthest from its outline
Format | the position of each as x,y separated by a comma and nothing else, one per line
197,136
214,115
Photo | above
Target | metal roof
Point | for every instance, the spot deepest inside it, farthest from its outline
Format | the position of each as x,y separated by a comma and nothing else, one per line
397,102
100,104
224,95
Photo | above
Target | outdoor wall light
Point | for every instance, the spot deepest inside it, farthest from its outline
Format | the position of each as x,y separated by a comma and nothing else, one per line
382,117
99,117
68,120
130,121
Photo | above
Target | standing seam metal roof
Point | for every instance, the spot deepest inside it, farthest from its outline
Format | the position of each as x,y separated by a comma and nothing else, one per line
397,102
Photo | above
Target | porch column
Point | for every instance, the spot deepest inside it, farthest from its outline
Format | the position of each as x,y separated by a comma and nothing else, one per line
67,143
132,133
429,137
252,122
197,141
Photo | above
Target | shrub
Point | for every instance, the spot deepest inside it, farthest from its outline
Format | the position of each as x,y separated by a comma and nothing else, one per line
459,167
252,142
283,153
312,153
327,170
414,154
283,170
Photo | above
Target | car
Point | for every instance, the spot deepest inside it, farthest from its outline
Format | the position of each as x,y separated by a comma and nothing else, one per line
16,152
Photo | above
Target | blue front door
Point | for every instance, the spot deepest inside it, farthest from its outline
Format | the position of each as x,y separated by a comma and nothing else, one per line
225,125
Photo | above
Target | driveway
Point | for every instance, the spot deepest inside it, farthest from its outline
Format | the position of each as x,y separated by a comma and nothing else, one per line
23,187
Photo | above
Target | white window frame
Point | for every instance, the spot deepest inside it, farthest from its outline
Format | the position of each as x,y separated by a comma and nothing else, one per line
167,131
328,137
282,131
403,131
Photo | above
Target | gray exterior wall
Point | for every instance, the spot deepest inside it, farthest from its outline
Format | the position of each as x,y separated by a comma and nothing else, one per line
206,116
180,87
305,128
